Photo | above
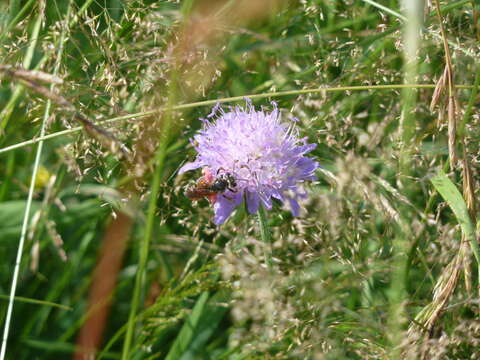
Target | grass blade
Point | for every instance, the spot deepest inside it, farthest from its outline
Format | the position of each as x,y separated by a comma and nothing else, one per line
449,192
36,165
198,328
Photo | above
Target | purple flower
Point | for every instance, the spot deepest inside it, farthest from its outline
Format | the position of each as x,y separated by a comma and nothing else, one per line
264,155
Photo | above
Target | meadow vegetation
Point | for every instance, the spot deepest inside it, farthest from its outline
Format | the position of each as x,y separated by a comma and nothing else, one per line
98,101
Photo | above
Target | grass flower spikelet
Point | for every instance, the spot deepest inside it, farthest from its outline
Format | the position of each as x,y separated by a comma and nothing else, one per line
264,155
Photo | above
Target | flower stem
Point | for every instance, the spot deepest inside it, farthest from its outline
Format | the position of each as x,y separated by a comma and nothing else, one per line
266,236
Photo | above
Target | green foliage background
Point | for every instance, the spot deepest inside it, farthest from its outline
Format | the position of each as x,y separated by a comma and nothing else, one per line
353,278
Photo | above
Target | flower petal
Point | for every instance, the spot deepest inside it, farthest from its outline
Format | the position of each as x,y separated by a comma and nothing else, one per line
277,195
267,201
294,206
225,205
189,166
253,200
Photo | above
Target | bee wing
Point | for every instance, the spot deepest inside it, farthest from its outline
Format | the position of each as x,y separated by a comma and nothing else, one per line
203,182
212,198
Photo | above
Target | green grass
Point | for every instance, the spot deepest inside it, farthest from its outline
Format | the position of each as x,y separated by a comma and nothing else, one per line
383,261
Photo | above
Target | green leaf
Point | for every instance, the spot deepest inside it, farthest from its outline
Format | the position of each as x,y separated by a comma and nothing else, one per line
11,216
454,199
198,328
36,302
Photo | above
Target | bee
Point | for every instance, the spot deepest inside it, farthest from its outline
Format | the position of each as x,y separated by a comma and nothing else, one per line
209,186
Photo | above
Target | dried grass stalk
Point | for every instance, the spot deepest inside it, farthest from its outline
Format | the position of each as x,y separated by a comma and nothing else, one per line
439,90
103,136
452,130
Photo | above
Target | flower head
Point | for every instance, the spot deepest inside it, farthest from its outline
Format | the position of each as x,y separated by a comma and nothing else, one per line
264,156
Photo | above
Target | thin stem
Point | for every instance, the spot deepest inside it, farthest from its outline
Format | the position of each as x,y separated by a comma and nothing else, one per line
448,58
266,236
403,18
471,103
433,34
14,20
37,302
160,157
144,247
386,9
407,118
398,291
476,249
13,8
27,61
31,190
224,100
7,111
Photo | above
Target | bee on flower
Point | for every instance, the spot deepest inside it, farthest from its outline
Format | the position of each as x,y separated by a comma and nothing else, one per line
211,186
249,155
